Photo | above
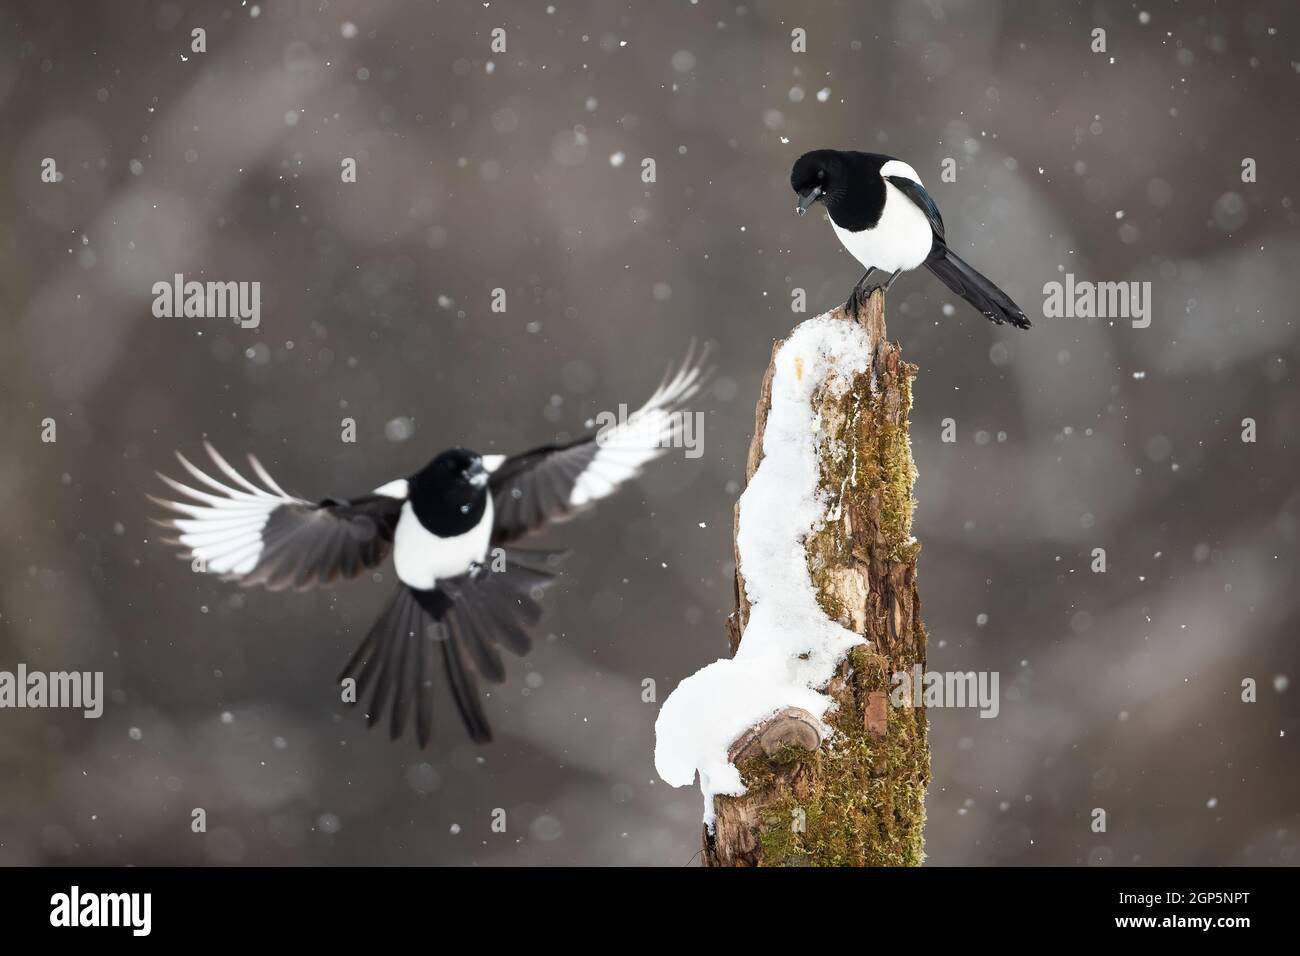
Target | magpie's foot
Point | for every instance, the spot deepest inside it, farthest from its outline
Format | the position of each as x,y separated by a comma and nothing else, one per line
861,294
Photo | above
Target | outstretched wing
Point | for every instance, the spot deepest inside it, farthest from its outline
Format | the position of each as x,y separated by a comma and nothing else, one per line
552,482
266,536
458,628
916,192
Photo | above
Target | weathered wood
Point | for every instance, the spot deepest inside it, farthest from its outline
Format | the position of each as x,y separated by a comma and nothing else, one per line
858,796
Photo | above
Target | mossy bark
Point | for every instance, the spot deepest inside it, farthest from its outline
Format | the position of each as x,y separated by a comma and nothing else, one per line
856,798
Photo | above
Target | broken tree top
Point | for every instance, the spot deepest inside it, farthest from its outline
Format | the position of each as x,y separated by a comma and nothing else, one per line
790,647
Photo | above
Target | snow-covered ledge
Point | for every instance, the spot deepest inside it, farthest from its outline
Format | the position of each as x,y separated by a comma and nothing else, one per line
790,648
824,521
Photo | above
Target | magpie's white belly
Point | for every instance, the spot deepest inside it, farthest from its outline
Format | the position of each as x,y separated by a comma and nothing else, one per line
422,558
900,240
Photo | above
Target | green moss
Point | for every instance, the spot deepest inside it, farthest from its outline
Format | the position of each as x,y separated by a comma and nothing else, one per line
864,804
897,472
867,469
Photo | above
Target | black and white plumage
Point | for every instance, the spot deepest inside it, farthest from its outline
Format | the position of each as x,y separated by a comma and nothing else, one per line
888,222
465,591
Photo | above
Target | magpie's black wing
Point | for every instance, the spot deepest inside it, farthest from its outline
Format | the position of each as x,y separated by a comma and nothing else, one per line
916,192
266,536
552,482
458,629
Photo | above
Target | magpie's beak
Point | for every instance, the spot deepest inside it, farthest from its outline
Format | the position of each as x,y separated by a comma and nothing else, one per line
476,474
806,199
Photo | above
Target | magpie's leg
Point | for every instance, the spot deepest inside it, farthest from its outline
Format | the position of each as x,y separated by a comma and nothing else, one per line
886,286
857,295
865,276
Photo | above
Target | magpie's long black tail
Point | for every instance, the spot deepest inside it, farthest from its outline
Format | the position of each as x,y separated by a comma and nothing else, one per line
964,280
458,628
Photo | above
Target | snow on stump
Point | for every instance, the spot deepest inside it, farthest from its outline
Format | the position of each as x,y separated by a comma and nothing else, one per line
805,753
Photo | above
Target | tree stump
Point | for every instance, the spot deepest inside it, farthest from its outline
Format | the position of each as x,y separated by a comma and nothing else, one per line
856,798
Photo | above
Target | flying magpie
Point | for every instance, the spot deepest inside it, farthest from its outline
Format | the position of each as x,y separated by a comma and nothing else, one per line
887,221
464,591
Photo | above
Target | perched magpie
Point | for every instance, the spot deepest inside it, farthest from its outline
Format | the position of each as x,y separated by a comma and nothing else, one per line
463,591
887,221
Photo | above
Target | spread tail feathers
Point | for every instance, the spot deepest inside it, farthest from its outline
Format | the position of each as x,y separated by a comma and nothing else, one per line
461,624
964,280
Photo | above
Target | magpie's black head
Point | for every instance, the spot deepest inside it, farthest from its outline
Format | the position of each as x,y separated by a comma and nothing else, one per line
820,176
450,491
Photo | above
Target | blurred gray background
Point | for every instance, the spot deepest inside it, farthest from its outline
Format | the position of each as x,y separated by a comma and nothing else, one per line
522,171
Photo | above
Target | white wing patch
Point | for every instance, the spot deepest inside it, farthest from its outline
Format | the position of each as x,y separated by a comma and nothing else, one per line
623,447
492,462
394,489
896,167
224,531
